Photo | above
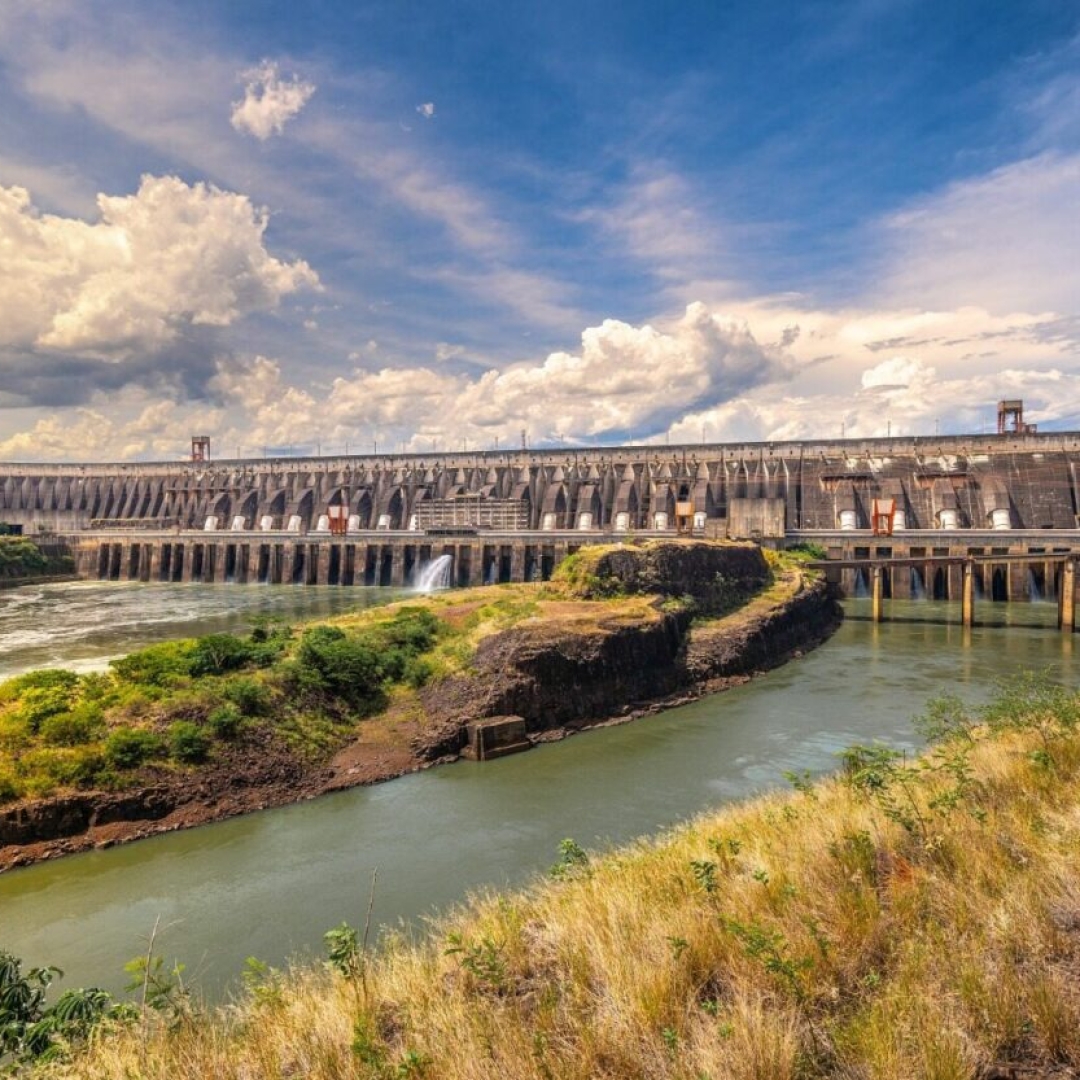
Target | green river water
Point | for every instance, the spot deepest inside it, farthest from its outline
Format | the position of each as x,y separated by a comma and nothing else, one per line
269,884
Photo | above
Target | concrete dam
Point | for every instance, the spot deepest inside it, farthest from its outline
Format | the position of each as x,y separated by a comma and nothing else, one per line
513,515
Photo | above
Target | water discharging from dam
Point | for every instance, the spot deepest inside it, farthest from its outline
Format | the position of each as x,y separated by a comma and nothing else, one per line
435,574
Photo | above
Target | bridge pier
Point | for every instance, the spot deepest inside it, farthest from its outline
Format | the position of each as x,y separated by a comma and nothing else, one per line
967,601
876,593
1067,597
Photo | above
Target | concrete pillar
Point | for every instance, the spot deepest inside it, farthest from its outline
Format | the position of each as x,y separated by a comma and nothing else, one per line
955,575
397,566
146,564
321,554
134,554
476,564
517,561
1019,579
876,593
1067,601
288,562
967,614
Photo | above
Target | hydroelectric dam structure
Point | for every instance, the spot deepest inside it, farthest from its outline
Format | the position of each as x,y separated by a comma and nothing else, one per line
903,515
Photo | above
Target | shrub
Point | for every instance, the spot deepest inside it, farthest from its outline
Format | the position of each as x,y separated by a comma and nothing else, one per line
331,663
41,694
77,727
216,654
49,678
20,558
68,766
15,733
32,1032
392,662
267,643
128,748
96,685
10,788
225,721
188,742
159,665
413,629
418,671
250,696
807,549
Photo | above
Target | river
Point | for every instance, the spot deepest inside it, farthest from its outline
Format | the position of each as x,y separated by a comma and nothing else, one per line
269,884
82,625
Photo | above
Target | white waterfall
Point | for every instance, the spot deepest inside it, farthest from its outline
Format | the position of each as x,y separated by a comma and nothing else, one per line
435,574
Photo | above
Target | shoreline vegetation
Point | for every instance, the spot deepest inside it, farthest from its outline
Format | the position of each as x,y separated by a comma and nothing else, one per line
904,918
190,731
22,562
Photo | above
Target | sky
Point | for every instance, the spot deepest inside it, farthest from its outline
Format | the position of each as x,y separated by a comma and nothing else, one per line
342,226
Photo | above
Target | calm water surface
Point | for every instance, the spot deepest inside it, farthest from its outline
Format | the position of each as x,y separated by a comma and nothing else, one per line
271,883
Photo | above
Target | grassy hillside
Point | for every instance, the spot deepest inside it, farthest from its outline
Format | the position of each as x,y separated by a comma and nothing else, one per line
905,919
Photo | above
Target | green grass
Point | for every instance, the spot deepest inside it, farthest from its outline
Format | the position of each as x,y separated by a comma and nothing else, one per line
176,704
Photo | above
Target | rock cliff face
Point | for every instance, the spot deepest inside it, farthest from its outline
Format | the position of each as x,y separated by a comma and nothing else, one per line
560,675
716,577
554,677
67,815
249,775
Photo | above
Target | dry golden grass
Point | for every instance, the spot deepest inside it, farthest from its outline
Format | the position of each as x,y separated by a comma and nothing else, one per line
825,933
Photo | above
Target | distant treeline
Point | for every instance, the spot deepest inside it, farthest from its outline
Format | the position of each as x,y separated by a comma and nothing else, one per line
22,558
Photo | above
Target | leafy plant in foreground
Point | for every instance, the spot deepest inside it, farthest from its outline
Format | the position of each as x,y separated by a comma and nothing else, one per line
32,1031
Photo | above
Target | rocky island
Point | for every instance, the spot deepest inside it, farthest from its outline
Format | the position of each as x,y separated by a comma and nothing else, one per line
193,731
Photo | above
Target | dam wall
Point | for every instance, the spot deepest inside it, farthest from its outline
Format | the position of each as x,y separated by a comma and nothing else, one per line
1015,481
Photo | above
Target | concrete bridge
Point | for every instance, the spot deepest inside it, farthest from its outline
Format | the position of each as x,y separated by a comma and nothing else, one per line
995,577
514,515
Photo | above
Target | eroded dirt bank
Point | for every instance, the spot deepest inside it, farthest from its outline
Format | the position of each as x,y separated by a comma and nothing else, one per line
576,667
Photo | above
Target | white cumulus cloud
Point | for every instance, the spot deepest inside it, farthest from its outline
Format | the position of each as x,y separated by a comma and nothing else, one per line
427,110
270,100
172,255
623,378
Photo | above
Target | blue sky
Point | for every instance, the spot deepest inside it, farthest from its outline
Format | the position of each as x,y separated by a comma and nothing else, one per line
306,226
